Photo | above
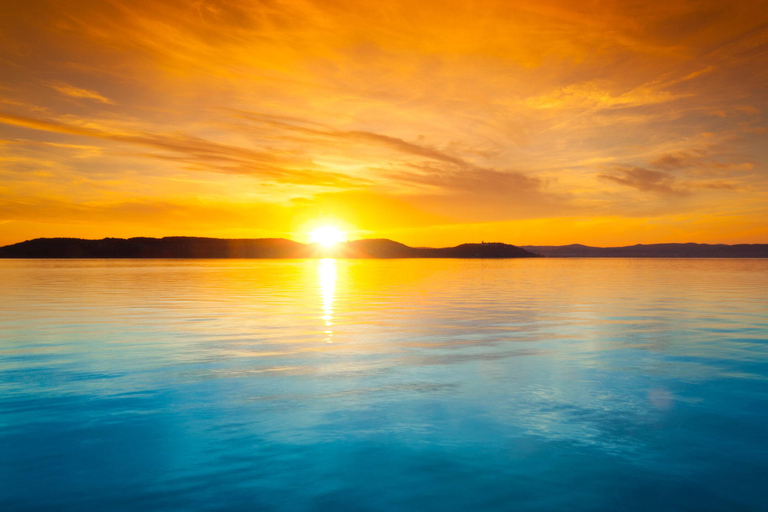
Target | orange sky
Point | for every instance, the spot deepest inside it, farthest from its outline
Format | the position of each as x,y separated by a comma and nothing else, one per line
429,122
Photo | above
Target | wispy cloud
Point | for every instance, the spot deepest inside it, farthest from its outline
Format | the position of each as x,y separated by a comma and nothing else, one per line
645,180
210,156
77,92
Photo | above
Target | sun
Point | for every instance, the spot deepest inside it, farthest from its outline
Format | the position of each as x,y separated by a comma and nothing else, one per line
327,236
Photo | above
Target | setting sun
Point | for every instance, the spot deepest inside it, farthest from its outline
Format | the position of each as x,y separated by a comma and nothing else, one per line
327,236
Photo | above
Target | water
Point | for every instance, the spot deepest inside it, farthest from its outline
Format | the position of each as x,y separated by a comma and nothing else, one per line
384,385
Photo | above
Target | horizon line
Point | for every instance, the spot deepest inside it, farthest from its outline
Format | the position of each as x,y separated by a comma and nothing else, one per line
482,242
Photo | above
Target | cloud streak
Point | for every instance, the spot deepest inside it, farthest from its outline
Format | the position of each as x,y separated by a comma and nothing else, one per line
77,92
211,155
645,180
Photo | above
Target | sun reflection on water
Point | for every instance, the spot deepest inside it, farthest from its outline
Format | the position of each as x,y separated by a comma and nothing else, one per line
327,273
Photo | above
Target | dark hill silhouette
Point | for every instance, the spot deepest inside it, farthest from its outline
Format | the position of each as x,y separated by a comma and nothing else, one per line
169,247
484,250
689,250
195,247
374,248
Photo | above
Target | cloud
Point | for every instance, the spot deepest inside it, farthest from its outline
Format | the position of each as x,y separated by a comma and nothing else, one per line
365,137
444,183
716,185
699,162
675,161
645,180
77,92
460,180
747,42
594,94
201,153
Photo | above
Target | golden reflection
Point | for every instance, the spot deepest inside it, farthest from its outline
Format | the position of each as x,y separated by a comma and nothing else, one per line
327,273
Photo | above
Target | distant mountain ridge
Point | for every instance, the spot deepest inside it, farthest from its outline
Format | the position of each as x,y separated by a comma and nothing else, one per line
197,247
687,250
140,247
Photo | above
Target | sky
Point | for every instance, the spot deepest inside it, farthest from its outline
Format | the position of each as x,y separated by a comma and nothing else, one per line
541,122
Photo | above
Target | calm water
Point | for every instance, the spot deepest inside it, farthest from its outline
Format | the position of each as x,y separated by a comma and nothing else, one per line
384,385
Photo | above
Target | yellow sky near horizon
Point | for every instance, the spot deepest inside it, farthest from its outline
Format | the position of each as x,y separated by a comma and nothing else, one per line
431,123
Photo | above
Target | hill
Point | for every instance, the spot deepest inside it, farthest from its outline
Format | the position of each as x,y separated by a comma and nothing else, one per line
483,250
169,247
689,250
196,247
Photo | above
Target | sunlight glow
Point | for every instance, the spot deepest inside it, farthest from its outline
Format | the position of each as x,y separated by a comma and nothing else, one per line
327,274
327,236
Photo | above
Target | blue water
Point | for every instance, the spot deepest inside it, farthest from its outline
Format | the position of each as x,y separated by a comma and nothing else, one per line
376,385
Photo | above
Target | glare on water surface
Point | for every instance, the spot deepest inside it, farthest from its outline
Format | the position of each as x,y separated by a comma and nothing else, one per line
327,272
